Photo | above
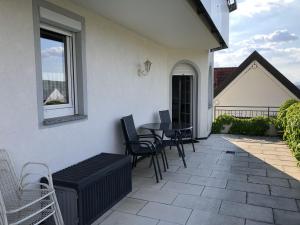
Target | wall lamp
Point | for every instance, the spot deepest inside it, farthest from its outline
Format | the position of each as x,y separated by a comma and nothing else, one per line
147,66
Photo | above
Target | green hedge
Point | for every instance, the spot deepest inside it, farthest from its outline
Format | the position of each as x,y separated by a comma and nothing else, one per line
281,116
254,126
291,127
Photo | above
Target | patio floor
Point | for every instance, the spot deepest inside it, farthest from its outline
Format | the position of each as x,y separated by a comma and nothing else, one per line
258,185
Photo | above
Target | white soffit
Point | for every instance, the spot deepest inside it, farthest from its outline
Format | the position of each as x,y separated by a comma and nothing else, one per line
172,23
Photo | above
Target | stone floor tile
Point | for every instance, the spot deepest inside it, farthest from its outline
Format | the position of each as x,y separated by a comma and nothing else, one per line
269,180
195,171
298,203
103,217
224,194
128,219
154,195
285,192
286,217
166,223
130,205
249,187
199,203
272,202
208,181
200,217
143,182
229,176
183,188
176,177
166,212
247,211
251,222
277,173
250,171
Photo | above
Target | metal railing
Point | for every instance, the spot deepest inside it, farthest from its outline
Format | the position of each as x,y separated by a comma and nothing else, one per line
246,111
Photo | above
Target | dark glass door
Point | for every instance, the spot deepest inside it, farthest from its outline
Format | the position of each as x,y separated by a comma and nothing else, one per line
182,99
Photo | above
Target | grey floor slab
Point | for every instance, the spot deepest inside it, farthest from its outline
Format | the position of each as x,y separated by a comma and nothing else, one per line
154,195
250,171
295,183
249,187
224,194
247,211
166,212
272,202
199,203
208,181
286,217
176,177
200,217
251,222
229,175
166,223
128,219
131,205
183,188
269,180
285,192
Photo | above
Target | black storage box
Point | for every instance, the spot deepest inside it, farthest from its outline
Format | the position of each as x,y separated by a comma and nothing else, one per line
85,191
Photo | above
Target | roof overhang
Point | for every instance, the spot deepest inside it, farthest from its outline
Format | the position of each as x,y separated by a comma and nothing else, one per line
183,24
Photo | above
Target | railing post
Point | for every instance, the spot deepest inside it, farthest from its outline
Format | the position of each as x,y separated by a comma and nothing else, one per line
268,111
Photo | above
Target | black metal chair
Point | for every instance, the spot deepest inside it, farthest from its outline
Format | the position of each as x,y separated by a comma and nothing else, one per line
184,135
148,145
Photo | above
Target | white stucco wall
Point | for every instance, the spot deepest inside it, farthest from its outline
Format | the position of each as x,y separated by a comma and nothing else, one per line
254,87
113,88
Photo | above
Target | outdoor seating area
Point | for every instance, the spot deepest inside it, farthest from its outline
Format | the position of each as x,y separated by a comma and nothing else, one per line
163,134
229,180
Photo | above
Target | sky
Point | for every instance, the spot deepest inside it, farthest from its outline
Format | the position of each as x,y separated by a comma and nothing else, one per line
272,27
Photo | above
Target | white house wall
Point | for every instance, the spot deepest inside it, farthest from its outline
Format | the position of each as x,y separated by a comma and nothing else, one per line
113,88
254,87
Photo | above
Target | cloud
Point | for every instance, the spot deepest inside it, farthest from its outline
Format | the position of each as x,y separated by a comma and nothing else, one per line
250,8
52,52
276,36
287,59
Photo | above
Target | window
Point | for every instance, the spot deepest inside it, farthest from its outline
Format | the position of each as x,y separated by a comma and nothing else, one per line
210,87
57,72
60,57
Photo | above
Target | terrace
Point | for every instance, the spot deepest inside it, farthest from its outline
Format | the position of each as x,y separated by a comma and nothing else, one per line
257,185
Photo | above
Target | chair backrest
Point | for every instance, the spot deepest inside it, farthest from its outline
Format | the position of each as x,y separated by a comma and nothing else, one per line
165,116
9,187
129,132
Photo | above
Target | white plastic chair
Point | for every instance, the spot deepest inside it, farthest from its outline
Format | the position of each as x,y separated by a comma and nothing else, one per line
26,201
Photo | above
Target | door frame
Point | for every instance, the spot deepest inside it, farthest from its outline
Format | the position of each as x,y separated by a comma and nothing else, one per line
196,98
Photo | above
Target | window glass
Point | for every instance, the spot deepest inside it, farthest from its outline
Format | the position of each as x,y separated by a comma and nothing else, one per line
54,68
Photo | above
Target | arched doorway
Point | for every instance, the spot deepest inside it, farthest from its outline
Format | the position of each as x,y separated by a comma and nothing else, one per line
184,98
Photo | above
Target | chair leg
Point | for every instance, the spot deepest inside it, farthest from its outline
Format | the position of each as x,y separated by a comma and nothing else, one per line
132,164
155,170
163,160
57,215
193,145
157,161
182,148
164,152
181,155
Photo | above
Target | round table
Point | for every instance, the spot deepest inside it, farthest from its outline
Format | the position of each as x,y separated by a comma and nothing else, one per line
166,126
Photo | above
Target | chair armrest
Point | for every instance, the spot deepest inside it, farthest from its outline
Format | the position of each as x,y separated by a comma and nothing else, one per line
148,144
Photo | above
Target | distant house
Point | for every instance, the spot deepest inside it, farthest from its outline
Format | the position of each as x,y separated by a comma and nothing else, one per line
255,84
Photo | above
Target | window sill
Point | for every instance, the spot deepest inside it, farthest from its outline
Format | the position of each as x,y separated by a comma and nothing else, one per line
63,119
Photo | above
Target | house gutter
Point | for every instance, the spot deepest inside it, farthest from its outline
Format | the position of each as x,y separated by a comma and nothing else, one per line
198,6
